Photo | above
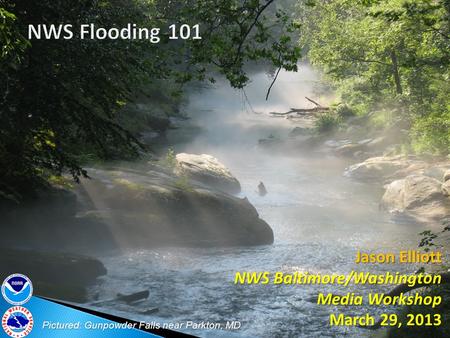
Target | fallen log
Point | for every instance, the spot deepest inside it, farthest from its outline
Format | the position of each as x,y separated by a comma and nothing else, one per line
302,111
312,101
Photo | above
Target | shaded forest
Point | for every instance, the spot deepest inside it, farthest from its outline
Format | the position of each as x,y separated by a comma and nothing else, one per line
389,59
68,105
62,100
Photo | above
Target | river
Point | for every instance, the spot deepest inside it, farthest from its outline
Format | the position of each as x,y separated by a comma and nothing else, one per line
319,217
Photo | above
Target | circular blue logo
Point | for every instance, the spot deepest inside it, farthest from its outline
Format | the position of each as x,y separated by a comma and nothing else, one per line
17,322
17,289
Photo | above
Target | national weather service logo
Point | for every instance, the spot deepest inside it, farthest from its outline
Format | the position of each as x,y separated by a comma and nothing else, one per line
17,322
17,289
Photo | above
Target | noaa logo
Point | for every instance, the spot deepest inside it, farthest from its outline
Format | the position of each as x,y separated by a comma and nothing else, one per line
17,289
17,322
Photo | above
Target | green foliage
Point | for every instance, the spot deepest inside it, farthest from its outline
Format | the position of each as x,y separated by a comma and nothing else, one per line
183,183
431,134
170,160
12,42
381,119
327,122
344,111
61,99
60,181
428,237
386,55
427,240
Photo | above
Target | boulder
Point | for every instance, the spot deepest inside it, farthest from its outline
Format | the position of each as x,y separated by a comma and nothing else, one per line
417,195
446,188
377,168
446,176
207,170
154,209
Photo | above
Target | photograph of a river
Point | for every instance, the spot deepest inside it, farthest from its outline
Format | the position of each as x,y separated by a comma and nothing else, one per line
163,164
319,217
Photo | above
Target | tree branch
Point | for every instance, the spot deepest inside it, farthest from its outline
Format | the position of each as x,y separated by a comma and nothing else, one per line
312,101
273,82
302,111
250,28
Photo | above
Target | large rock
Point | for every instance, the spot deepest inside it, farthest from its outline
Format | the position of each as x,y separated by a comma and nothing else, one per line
208,170
446,188
158,209
446,176
122,208
417,195
377,168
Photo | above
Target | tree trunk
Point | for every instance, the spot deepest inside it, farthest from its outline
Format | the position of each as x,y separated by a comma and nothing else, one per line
396,73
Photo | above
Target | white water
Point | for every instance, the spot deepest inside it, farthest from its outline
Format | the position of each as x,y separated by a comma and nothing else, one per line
320,219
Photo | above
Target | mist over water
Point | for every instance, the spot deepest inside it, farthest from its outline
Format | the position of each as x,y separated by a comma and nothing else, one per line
233,118
319,218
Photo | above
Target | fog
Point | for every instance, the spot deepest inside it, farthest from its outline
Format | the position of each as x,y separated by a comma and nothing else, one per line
319,218
233,118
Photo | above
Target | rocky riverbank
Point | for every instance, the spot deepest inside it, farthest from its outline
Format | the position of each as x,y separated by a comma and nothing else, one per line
416,188
186,203
413,188
156,204
158,208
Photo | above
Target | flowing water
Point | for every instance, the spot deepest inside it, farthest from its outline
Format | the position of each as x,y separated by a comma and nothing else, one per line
319,218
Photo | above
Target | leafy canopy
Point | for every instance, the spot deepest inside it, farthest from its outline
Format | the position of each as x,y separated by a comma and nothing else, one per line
392,54
62,98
